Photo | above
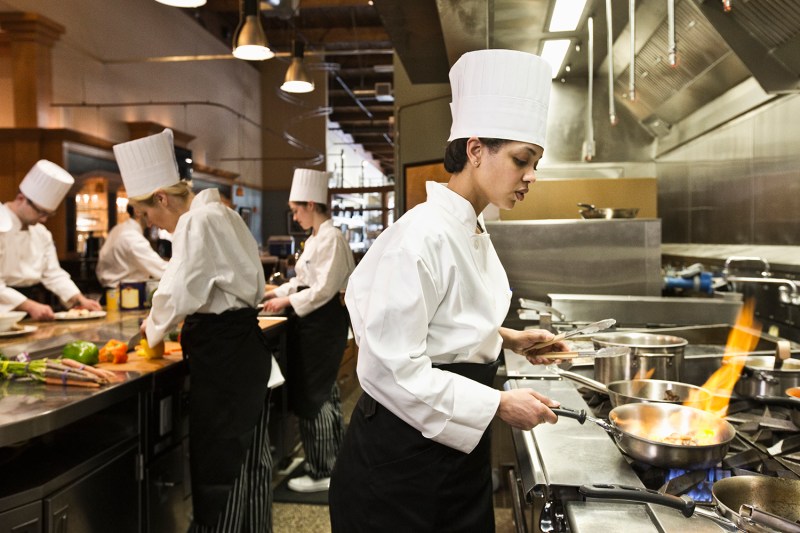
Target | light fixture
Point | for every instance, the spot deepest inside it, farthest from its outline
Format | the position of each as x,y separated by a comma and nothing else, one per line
554,52
249,41
566,15
297,78
182,3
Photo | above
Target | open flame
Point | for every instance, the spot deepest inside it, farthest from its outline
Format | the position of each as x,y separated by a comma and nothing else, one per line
741,340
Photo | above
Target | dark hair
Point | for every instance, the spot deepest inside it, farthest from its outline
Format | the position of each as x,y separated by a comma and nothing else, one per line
455,155
129,209
321,208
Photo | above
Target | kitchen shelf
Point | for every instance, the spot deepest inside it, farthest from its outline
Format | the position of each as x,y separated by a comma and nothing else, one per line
369,211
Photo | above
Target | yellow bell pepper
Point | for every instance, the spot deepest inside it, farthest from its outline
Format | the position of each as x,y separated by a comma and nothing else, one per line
144,350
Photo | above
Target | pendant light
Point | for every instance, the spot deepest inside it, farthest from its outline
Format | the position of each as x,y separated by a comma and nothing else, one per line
249,41
297,78
182,3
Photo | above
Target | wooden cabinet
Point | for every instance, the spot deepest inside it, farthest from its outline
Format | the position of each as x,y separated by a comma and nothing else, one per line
347,378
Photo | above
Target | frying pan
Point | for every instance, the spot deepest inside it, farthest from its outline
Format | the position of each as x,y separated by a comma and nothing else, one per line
590,211
644,390
634,425
757,504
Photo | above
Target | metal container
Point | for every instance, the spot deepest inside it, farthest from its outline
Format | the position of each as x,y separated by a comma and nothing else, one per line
759,378
651,356
590,211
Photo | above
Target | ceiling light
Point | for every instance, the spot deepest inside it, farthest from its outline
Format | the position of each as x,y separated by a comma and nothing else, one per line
297,78
249,41
554,53
566,15
182,3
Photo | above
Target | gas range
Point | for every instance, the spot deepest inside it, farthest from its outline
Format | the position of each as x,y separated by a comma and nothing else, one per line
553,461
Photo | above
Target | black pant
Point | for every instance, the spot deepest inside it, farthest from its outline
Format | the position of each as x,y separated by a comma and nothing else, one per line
388,477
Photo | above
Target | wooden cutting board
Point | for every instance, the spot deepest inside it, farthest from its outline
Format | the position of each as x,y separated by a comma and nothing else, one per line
137,363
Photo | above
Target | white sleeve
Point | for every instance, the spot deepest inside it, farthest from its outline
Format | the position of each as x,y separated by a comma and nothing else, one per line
55,278
391,308
331,272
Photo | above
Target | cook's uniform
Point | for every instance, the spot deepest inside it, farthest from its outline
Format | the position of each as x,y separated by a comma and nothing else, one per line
317,339
128,256
416,455
28,262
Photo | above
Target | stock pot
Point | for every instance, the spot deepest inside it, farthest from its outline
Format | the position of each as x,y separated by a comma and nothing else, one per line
651,355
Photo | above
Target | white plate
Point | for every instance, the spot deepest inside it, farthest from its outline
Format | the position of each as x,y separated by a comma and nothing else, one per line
64,315
18,330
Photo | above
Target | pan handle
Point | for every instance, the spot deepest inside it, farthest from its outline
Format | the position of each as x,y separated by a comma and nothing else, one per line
583,380
579,415
638,494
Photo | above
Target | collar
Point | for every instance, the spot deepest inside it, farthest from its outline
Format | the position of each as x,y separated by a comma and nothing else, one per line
205,197
453,203
16,223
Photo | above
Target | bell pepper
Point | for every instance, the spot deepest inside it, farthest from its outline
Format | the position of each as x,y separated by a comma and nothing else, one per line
144,350
82,351
114,351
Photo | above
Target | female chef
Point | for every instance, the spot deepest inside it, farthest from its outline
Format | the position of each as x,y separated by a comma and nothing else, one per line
213,282
318,332
427,303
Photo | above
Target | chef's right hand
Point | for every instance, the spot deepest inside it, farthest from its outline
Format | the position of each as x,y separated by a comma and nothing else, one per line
526,408
36,310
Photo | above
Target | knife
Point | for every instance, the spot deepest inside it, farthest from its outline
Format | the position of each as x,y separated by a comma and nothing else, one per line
134,341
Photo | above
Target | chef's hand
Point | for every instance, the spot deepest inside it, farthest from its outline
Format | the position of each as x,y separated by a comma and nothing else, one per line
143,328
36,310
276,305
526,408
82,302
269,295
523,342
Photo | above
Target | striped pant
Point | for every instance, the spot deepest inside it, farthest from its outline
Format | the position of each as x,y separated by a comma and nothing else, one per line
322,436
249,507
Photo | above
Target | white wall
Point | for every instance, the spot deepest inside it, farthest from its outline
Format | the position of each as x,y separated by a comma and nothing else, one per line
100,31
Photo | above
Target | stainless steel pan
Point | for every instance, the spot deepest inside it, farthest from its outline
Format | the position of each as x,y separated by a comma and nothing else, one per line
644,390
590,211
638,430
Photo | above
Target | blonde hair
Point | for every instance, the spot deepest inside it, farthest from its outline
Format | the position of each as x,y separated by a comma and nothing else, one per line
182,189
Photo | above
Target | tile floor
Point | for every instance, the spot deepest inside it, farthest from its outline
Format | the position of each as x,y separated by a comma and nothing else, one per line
299,518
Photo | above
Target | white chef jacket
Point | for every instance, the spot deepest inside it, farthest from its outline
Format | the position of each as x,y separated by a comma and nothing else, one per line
215,267
128,256
28,257
430,291
323,267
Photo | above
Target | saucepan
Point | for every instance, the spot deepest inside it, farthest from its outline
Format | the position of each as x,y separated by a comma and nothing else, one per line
590,211
757,504
664,435
643,390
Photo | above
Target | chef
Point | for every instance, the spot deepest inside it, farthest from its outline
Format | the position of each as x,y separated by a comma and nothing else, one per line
127,255
28,261
317,328
426,304
212,284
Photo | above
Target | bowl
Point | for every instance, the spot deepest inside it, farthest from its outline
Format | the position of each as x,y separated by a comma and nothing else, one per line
9,320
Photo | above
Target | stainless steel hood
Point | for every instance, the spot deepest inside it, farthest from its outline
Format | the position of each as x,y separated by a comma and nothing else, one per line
716,50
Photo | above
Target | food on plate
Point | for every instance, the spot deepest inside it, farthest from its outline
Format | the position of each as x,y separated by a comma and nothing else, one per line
114,351
77,313
144,350
82,351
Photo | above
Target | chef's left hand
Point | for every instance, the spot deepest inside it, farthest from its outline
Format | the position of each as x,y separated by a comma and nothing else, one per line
82,302
276,305
523,342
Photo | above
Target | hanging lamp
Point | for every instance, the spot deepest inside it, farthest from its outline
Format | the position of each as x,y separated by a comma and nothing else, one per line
249,41
297,78
182,3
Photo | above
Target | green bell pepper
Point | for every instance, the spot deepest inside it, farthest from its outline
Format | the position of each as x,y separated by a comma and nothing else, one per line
82,351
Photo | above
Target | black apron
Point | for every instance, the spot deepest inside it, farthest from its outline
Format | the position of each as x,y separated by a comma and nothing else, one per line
316,344
229,368
388,477
40,294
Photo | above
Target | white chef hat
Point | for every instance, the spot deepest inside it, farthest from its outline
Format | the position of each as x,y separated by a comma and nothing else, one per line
46,184
500,94
309,186
147,164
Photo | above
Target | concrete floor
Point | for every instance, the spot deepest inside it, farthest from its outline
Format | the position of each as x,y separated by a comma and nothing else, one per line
299,518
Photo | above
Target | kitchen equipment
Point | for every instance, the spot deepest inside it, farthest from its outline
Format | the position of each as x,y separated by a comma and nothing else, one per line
760,378
9,319
611,351
639,429
585,330
590,211
784,401
134,341
652,355
643,390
